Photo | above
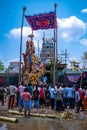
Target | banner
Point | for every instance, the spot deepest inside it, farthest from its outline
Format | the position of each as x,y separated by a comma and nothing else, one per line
73,78
42,21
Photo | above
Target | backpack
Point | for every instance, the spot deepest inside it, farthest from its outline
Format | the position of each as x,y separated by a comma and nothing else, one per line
35,94
47,94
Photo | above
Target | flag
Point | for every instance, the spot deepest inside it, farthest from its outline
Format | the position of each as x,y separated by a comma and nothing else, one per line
42,21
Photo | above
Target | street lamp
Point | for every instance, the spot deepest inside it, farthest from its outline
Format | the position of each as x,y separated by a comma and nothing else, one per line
20,73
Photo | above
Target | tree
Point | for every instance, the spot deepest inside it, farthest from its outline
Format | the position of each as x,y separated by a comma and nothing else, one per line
1,66
49,70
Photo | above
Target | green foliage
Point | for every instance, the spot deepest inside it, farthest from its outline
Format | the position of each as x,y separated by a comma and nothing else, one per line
1,66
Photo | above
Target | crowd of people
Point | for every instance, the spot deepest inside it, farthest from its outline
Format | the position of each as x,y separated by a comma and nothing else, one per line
58,97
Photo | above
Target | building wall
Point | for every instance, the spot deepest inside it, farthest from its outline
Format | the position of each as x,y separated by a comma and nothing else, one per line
6,79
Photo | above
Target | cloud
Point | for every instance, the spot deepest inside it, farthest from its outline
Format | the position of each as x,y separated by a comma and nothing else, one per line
13,60
16,32
73,59
83,41
84,10
69,29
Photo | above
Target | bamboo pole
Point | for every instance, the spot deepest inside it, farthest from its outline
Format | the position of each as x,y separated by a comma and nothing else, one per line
8,119
34,114
55,45
20,75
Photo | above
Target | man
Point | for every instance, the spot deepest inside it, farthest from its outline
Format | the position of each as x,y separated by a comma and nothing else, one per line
59,99
30,90
26,96
12,89
70,94
47,97
77,100
2,95
36,97
65,96
52,97
41,100
21,90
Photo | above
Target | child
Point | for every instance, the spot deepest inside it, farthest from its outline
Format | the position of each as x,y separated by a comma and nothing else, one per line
26,96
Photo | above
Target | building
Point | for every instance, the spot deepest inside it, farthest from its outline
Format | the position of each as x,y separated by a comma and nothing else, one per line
10,74
47,51
84,60
8,78
14,66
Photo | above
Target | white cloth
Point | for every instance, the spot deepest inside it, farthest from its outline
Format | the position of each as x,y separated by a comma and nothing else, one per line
12,89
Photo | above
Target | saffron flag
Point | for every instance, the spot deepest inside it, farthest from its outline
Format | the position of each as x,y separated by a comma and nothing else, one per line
42,21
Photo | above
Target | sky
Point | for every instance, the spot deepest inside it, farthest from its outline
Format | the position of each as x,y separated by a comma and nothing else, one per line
71,20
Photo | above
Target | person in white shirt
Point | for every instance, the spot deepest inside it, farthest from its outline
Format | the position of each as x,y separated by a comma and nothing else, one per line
12,89
70,94
77,100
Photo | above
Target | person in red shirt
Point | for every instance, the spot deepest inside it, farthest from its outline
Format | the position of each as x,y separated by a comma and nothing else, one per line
81,98
41,100
26,96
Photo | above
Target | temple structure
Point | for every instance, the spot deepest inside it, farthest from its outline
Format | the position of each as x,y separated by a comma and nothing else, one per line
47,51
